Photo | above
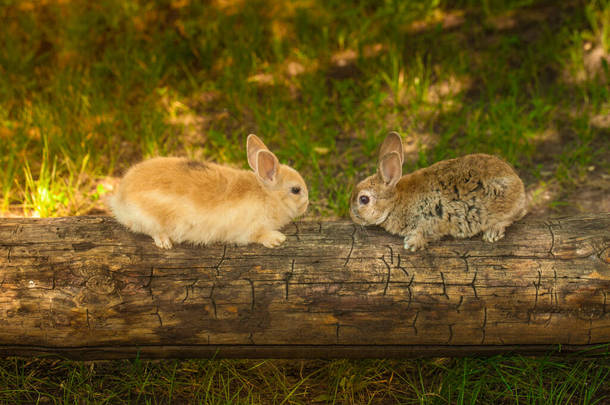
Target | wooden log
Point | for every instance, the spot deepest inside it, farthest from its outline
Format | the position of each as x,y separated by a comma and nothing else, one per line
85,288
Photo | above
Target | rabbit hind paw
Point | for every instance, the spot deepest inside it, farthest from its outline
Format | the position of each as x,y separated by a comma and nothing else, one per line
272,239
493,234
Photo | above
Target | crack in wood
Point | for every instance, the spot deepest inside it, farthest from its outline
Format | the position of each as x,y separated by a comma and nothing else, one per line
450,333
472,284
190,287
148,285
444,286
459,304
391,254
8,256
387,281
88,324
465,257
550,228
251,338
217,267
410,292
351,249
590,331
414,322
18,229
401,268
296,226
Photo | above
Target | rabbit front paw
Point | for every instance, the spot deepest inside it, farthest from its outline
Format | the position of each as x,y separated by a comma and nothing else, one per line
414,242
494,234
272,239
163,242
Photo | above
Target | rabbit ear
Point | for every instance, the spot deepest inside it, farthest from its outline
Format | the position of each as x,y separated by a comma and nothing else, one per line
392,143
266,166
253,145
390,168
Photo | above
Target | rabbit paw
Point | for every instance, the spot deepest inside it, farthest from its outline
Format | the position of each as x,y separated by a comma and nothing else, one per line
272,239
493,234
414,242
163,242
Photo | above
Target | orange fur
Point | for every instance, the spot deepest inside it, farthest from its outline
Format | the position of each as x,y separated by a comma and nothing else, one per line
176,200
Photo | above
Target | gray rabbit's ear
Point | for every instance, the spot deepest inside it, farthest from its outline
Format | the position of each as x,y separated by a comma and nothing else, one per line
392,143
390,168
267,167
253,146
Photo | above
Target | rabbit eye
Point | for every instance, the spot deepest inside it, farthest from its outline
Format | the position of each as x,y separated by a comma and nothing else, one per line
295,190
364,200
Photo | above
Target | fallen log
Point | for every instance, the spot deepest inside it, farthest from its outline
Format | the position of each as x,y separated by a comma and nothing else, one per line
85,288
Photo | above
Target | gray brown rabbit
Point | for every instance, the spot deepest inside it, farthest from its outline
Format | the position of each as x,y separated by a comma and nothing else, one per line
458,197
176,199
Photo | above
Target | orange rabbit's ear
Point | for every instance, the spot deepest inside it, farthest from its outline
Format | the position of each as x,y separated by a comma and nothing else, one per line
392,143
390,169
267,166
253,146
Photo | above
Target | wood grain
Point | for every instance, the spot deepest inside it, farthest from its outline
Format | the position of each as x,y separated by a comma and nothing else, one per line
84,287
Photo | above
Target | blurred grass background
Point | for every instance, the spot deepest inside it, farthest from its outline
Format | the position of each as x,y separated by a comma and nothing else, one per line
89,88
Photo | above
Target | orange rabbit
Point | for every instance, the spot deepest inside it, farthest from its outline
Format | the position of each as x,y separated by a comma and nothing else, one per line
180,200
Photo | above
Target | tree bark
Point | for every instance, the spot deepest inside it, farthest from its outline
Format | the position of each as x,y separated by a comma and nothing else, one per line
86,288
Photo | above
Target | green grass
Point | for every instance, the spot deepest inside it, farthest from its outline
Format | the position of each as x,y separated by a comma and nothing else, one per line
89,88
497,380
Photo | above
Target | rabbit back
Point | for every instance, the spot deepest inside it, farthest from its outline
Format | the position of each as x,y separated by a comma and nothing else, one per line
191,201
458,197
